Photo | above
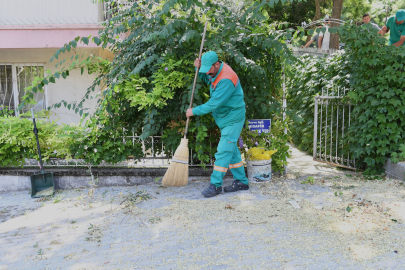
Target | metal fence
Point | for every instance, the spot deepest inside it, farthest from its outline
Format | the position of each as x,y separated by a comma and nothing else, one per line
332,119
152,148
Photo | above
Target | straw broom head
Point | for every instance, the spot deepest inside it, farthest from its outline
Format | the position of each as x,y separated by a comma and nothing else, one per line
177,174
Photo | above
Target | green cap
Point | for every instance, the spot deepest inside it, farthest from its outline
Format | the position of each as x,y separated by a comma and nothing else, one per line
400,15
207,60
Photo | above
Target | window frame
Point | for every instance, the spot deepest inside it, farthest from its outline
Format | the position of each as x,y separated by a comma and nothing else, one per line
16,89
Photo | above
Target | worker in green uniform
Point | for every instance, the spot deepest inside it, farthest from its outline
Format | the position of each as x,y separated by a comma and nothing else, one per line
228,109
396,26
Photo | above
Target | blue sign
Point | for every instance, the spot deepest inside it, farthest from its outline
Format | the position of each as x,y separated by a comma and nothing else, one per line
261,125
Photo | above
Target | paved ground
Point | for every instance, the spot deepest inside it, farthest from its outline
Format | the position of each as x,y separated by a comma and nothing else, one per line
153,227
300,162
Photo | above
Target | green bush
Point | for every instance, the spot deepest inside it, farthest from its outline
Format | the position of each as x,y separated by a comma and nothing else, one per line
147,85
18,142
308,78
372,71
378,89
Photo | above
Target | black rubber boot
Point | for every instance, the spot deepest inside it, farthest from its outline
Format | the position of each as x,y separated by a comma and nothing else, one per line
212,191
236,185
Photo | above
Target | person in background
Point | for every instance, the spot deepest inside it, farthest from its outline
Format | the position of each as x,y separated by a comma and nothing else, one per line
314,38
396,26
324,38
366,20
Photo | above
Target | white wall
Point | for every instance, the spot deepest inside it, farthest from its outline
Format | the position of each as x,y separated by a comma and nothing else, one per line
32,12
73,88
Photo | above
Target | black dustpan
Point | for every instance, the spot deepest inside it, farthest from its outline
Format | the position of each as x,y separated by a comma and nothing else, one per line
41,183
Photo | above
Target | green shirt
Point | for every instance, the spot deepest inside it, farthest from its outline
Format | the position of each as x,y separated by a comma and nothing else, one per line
396,31
226,102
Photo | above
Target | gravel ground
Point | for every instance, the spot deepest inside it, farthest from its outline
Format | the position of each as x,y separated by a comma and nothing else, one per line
343,222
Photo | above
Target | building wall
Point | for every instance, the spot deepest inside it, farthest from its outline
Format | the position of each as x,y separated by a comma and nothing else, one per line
32,30
45,36
34,12
73,88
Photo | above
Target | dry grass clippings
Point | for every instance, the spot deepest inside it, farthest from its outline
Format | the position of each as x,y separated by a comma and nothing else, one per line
95,233
359,220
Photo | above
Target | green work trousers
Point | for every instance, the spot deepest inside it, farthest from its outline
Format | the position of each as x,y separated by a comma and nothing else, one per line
228,156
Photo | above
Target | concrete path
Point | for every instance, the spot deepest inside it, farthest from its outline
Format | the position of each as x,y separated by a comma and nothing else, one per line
303,164
293,222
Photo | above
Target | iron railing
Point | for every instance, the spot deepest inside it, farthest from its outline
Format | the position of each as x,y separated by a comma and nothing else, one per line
332,119
152,148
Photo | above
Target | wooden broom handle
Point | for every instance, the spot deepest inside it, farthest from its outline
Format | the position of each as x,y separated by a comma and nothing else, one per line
195,80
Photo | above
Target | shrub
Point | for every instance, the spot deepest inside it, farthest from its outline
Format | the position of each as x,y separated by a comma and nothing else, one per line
148,83
378,90
373,73
18,142
308,78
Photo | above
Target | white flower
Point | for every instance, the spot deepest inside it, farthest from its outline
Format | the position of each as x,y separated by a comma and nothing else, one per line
95,150
85,147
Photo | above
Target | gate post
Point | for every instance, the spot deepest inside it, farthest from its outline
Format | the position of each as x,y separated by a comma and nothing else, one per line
284,111
315,128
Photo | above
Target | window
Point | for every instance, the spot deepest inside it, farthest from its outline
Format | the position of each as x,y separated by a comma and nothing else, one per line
6,88
112,7
14,78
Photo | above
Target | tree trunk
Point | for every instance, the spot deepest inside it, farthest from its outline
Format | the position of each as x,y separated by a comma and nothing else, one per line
336,13
317,10
317,15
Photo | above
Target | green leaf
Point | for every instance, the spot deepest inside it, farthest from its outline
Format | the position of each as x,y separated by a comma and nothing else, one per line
73,43
57,53
85,40
97,41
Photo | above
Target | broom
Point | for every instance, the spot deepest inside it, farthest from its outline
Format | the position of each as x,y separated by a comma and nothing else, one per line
177,174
